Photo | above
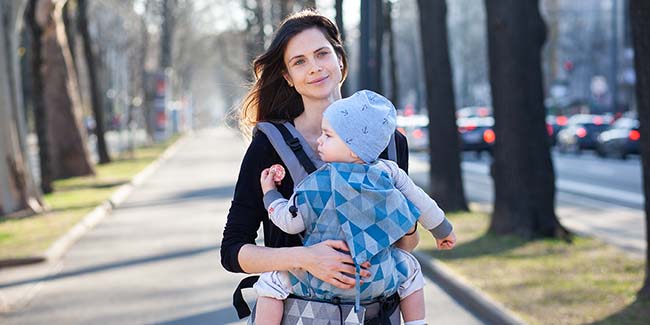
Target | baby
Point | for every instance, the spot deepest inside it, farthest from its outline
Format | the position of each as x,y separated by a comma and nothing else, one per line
358,196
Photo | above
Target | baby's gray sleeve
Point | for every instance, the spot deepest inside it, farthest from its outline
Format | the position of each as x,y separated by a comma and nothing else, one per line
278,208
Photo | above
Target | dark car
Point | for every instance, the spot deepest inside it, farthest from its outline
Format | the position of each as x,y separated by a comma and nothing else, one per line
555,124
476,133
581,132
415,128
620,140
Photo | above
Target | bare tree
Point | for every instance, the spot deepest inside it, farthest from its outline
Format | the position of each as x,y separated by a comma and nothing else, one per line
524,181
69,153
444,143
640,23
392,66
93,79
38,102
18,191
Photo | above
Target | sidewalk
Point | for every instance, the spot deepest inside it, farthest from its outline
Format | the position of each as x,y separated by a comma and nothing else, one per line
155,258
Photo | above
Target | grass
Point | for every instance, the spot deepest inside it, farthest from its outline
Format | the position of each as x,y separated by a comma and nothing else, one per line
547,281
70,202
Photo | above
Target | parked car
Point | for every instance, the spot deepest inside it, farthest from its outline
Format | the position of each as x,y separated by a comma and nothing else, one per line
415,128
555,124
620,140
581,132
476,133
473,111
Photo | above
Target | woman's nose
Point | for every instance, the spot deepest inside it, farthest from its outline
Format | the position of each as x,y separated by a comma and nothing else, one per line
316,68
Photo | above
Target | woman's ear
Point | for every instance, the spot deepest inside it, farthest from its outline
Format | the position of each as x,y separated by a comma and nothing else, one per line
287,77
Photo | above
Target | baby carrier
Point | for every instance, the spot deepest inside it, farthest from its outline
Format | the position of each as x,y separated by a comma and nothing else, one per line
306,304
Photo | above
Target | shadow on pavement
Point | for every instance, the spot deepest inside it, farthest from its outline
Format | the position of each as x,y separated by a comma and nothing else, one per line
221,316
204,193
485,245
110,266
636,313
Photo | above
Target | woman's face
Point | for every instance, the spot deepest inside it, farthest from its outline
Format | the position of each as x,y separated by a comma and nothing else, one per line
313,67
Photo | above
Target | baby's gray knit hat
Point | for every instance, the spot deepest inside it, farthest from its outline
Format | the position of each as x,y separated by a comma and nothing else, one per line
365,121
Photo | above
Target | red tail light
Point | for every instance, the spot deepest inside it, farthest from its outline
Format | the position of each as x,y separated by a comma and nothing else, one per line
549,129
598,120
418,134
635,135
561,120
489,136
581,132
466,128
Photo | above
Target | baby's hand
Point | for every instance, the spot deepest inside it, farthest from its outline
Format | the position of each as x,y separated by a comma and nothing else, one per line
448,242
272,177
267,181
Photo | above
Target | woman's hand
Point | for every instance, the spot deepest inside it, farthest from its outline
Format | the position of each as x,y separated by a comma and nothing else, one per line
325,261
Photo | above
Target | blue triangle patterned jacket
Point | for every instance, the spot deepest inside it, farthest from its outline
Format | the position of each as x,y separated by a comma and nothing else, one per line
359,204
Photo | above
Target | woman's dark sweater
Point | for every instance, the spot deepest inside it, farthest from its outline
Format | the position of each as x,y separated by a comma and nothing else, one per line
247,210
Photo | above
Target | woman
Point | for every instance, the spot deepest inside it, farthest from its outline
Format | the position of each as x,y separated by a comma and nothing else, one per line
298,76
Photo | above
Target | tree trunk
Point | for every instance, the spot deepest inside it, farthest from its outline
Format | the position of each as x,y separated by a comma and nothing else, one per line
309,4
18,192
40,113
444,144
167,33
338,7
640,23
68,147
524,181
370,45
392,67
95,89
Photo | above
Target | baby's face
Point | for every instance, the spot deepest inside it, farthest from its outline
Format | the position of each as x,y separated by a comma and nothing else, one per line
331,148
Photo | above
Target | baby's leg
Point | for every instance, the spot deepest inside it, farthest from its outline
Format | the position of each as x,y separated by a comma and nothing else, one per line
412,308
268,311
411,293
272,288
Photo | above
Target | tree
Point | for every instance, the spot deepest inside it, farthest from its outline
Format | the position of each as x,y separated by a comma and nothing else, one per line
392,66
524,181
38,102
640,23
371,39
68,152
93,79
18,191
444,143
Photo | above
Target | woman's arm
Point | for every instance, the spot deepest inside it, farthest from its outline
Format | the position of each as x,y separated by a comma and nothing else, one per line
321,260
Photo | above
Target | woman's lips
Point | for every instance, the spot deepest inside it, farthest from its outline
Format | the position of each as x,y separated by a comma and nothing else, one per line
318,81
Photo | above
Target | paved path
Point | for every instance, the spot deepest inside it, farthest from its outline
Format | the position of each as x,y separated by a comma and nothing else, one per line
155,260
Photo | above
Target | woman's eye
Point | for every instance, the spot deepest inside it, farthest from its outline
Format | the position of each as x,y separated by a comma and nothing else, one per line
300,61
323,53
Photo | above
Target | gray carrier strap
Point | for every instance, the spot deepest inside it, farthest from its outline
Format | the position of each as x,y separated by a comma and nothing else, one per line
296,170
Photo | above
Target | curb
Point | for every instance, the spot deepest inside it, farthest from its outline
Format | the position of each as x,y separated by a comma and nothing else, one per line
477,302
57,249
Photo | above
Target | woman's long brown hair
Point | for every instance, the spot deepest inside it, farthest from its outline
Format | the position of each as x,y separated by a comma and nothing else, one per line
270,97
